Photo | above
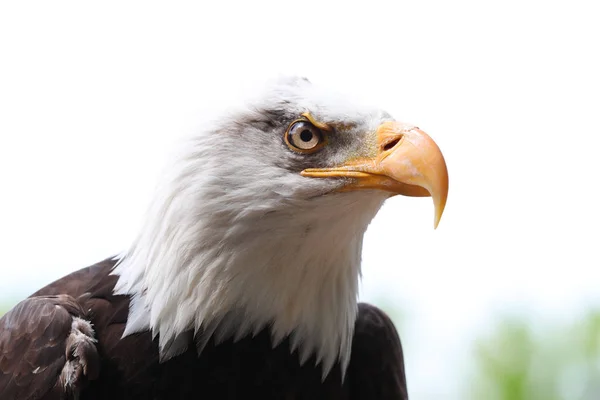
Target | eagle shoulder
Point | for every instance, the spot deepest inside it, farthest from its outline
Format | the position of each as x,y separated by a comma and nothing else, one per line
376,369
47,349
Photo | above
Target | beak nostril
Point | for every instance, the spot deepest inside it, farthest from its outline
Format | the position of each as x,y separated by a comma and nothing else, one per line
390,145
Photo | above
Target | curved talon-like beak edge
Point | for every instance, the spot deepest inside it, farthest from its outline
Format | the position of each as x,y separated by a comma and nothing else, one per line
408,163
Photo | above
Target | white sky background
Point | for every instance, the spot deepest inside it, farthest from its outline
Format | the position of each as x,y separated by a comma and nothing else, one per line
93,96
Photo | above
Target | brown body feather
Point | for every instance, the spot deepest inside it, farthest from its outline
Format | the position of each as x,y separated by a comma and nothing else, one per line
37,339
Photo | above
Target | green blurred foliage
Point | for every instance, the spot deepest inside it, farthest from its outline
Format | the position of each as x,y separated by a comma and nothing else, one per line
522,360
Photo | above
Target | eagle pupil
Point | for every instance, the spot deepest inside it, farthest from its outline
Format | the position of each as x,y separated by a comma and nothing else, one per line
306,135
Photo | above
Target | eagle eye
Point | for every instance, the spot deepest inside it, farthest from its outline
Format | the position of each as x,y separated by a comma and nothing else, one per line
304,137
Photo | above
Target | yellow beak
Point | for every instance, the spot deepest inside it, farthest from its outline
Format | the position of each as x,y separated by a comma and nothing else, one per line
408,162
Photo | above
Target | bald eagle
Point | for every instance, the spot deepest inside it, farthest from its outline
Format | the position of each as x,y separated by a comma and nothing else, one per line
243,279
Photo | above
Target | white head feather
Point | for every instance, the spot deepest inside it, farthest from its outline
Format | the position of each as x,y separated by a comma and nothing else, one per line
236,239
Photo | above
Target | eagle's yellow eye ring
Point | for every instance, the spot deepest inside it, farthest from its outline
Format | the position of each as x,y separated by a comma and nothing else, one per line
303,136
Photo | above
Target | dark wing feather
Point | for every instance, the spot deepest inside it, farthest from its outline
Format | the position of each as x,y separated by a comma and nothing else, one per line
376,369
43,351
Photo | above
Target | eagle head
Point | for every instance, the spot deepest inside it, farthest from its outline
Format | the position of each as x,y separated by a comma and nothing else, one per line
258,222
